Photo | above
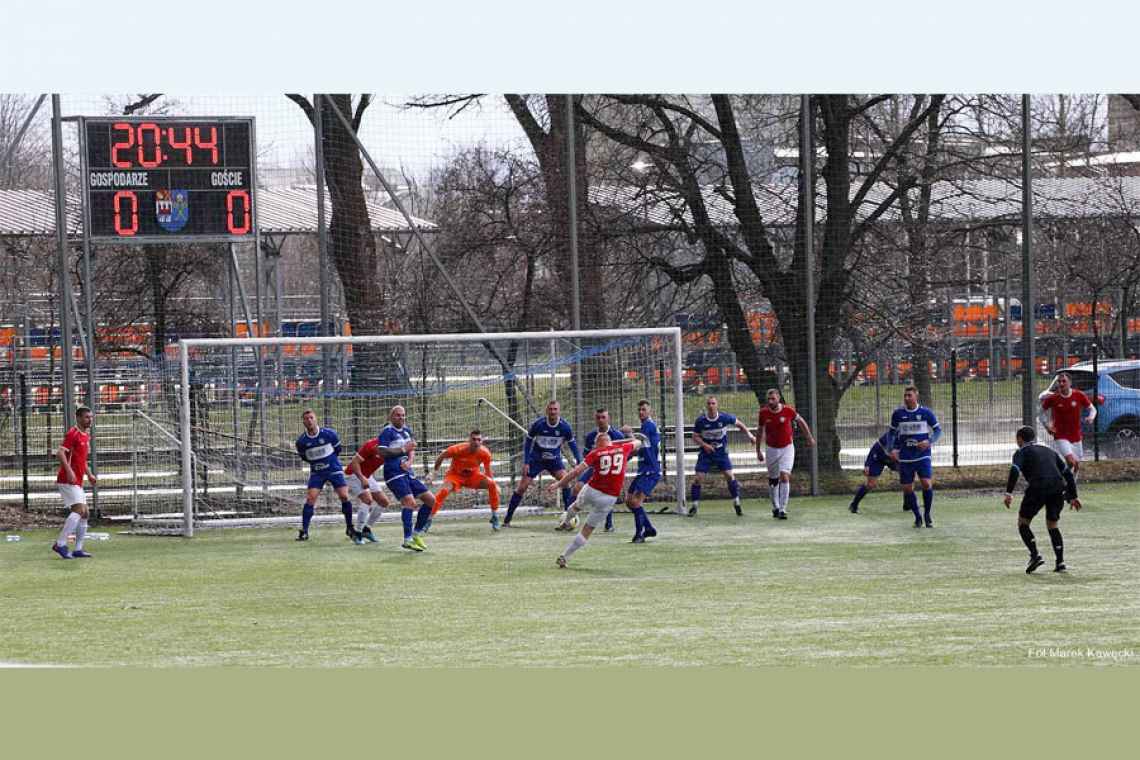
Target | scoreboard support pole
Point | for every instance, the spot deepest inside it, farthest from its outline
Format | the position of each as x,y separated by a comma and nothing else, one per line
61,263
90,354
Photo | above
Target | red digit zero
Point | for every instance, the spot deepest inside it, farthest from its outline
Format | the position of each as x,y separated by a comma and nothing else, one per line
231,225
120,196
153,129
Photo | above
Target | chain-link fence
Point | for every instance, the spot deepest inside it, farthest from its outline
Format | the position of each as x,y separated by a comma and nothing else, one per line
895,255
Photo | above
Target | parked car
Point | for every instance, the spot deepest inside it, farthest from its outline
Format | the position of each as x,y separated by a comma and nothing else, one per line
1117,388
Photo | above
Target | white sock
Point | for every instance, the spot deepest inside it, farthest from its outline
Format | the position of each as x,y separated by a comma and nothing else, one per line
80,534
785,492
575,544
361,516
69,526
374,514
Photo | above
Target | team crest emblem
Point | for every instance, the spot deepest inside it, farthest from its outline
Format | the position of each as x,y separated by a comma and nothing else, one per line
172,207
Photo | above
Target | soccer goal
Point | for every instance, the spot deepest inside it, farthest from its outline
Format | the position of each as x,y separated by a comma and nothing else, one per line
241,400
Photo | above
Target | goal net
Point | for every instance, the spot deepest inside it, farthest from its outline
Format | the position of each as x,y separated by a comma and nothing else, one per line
241,401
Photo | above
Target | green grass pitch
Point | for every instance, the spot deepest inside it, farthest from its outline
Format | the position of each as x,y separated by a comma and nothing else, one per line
823,588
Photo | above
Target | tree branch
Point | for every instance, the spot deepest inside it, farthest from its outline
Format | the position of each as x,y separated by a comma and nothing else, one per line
365,101
305,105
141,103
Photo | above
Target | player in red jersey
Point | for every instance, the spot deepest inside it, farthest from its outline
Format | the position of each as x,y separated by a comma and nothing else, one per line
609,460
1061,414
776,420
72,457
362,486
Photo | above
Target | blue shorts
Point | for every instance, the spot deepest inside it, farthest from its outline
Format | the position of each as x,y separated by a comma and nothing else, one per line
553,466
405,485
876,464
317,480
921,468
705,461
644,483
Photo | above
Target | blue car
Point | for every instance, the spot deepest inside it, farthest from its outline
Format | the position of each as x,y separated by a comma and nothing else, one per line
1117,388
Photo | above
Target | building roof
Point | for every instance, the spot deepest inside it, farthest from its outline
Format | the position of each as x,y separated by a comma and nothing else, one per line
281,210
951,201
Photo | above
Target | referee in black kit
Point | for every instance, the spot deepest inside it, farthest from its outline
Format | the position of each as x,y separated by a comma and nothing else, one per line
1051,483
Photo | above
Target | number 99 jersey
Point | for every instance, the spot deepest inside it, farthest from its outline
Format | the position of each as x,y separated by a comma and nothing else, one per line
609,466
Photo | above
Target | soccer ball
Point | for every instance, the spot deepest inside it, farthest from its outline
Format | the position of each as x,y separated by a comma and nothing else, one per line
567,521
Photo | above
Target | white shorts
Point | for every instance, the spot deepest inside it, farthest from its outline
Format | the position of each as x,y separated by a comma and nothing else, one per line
1065,447
780,460
72,495
355,489
597,503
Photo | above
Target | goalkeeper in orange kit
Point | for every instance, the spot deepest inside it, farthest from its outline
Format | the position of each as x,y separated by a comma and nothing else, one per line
464,472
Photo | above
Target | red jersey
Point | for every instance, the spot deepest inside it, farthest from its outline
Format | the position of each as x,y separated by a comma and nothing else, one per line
76,443
777,425
1067,413
371,459
609,466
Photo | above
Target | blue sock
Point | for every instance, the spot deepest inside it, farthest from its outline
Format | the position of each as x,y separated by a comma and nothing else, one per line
911,501
695,492
859,495
567,498
406,518
306,516
346,510
639,520
514,504
734,489
927,502
645,524
422,517
610,521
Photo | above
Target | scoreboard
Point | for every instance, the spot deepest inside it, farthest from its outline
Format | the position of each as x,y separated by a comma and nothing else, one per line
159,179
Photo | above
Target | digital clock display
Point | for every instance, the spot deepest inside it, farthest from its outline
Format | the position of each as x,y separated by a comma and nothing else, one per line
162,179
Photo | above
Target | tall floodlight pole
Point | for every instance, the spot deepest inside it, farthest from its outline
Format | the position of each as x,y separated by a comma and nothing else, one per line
1028,306
575,287
807,165
61,263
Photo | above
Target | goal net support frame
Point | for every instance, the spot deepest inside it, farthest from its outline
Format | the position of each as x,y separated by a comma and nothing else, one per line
671,379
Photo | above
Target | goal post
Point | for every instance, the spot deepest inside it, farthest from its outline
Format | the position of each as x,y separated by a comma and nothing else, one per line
240,402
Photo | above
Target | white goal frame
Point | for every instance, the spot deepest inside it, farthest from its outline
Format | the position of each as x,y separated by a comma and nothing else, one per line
185,346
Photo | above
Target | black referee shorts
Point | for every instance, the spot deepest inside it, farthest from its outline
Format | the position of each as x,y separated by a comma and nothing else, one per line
1034,500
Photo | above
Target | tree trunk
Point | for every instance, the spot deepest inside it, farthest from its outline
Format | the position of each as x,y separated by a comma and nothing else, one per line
353,250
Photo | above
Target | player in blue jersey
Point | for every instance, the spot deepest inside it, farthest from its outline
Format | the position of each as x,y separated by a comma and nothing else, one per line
878,459
319,447
914,429
710,432
648,472
602,425
398,446
542,450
